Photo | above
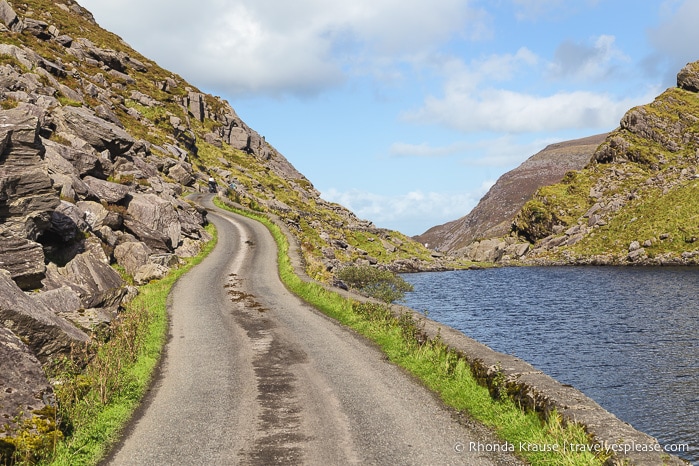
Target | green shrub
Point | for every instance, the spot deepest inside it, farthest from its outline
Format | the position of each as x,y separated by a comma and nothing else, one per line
377,283
535,221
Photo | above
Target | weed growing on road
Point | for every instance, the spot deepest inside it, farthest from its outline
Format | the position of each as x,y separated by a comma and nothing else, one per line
403,339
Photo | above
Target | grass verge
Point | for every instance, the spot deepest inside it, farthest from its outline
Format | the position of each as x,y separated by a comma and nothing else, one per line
439,368
98,400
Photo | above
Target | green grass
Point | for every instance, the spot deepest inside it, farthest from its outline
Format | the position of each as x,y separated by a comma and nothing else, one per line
668,220
438,367
97,416
447,374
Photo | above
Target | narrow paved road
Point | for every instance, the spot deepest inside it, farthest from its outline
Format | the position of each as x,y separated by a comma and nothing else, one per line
252,375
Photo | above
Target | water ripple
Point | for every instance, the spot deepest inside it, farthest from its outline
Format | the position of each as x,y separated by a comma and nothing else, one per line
626,337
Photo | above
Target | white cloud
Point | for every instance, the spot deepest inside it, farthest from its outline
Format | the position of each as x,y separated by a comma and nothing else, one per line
502,110
277,46
393,27
587,61
411,213
476,97
461,78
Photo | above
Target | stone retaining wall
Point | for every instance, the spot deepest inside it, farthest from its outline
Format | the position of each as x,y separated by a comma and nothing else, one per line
537,391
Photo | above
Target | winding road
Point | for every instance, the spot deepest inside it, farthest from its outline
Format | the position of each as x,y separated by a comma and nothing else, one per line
252,375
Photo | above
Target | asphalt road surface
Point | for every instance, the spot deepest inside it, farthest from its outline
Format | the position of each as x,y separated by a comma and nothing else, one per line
252,375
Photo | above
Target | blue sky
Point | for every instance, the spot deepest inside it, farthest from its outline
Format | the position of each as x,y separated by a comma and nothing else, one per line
407,111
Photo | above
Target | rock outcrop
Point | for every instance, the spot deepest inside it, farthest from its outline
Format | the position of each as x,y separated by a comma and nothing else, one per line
154,221
688,77
27,198
23,384
47,335
23,258
97,132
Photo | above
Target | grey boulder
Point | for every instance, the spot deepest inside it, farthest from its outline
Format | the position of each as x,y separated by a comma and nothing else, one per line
24,389
100,134
154,221
47,335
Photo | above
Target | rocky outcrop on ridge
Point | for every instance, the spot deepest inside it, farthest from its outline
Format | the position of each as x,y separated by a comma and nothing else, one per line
636,203
492,217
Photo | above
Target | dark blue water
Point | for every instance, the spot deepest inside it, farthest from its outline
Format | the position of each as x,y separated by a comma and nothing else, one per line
626,337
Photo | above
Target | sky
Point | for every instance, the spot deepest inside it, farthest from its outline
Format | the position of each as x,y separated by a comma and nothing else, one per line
407,111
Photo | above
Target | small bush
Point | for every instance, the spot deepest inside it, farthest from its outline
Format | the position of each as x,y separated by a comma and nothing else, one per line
377,283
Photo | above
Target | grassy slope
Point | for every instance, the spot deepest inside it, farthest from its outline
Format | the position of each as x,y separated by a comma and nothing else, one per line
654,185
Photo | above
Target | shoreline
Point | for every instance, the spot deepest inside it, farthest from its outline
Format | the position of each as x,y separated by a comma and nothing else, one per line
536,391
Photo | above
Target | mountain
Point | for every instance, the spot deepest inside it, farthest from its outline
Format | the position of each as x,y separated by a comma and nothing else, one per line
493,215
627,197
637,202
98,148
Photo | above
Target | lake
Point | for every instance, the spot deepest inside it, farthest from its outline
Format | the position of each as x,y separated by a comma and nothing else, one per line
626,337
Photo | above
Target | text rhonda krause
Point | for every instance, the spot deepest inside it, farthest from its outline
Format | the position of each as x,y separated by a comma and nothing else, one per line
575,447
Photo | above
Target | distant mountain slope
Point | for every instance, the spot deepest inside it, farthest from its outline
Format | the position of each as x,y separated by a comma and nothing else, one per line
493,215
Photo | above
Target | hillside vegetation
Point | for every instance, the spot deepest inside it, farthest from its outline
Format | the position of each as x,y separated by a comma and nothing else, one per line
637,201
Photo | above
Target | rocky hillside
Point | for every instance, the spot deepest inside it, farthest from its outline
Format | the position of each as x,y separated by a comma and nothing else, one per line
493,215
637,201
98,147
633,200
